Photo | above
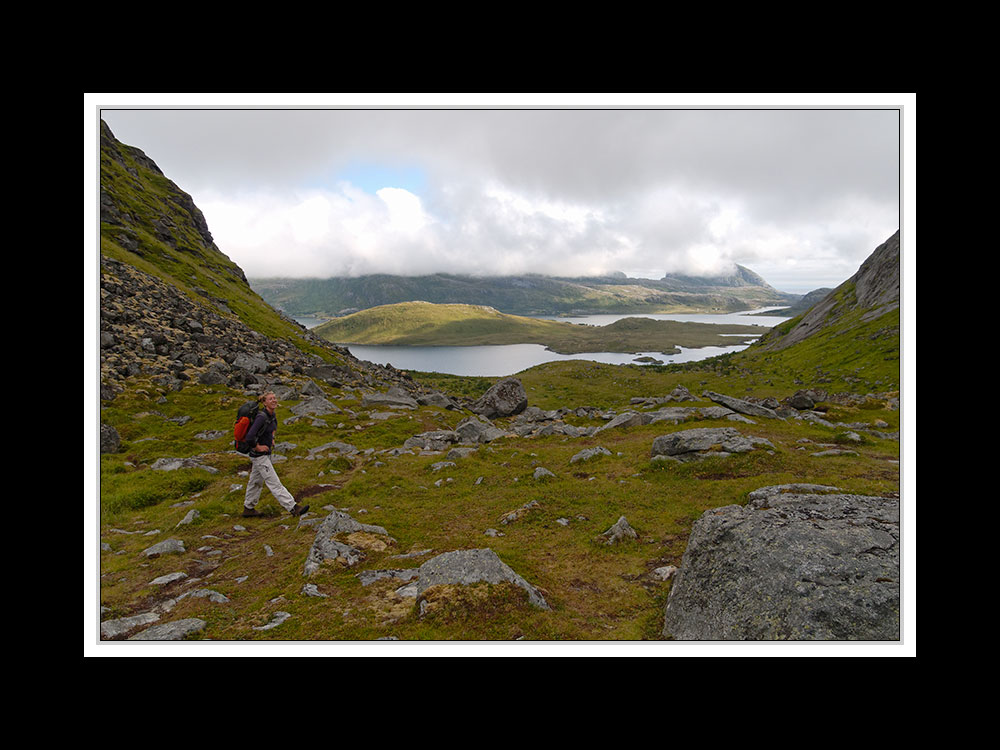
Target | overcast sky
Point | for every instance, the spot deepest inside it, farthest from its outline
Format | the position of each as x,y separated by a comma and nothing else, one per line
802,196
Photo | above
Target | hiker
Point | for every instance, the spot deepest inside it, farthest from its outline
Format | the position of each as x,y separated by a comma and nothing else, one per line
260,437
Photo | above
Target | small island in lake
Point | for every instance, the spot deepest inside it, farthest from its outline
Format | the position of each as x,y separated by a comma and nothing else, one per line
428,324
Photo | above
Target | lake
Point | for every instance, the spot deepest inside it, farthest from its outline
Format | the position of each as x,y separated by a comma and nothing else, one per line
499,361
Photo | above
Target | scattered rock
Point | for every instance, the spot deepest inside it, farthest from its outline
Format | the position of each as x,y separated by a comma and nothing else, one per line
543,473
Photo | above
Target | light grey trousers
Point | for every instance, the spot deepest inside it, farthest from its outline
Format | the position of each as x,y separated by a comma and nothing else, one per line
263,474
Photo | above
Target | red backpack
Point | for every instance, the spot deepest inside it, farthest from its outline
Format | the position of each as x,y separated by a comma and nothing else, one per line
244,418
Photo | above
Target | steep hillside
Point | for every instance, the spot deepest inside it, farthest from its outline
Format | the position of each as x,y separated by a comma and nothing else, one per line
524,295
172,304
851,336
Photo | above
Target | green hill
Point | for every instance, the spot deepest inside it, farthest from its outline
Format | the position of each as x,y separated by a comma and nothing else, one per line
427,324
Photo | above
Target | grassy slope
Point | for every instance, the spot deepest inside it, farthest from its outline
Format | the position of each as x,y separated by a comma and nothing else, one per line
596,592
425,324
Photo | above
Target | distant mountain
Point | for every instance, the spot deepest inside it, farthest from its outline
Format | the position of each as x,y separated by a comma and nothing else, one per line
525,295
741,277
804,304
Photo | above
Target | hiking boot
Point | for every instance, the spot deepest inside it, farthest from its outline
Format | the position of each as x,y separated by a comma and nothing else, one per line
298,510
251,513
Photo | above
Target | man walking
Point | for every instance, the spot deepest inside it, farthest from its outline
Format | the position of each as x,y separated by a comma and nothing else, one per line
260,437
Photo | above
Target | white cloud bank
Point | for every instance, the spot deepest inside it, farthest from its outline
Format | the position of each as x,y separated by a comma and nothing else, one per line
801,197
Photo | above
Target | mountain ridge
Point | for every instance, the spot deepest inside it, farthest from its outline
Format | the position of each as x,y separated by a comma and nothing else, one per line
526,294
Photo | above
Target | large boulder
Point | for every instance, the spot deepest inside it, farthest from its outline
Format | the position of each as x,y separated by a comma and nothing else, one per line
798,562
504,399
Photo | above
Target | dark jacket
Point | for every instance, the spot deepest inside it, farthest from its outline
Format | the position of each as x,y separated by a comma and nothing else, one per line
261,432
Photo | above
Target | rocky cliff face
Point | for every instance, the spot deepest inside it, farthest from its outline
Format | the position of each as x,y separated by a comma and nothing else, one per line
873,290
173,306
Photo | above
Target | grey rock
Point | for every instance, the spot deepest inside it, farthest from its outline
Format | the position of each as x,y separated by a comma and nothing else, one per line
395,397
250,362
368,577
542,473
110,440
665,573
170,631
504,399
310,589
316,406
620,532
212,596
589,453
167,546
801,401
741,406
191,516
465,567
790,565
326,547
435,398
704,441
276,619
333,445
474,430
173,464
168,578
122,625
626,419
515,515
